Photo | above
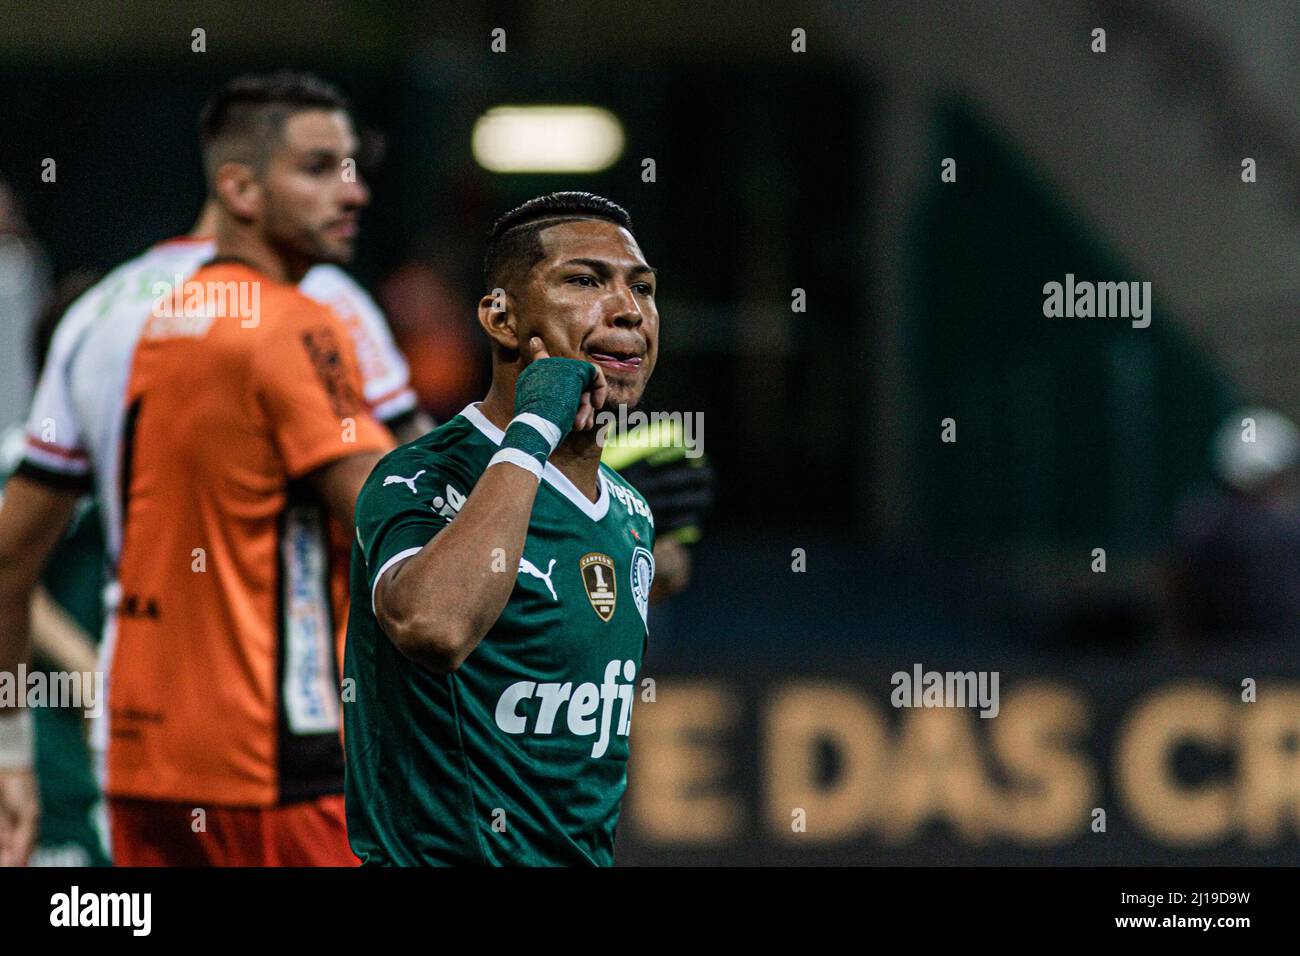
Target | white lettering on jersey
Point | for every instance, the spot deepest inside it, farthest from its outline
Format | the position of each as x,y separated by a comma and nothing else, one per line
632,502
527,567
590,706
451,505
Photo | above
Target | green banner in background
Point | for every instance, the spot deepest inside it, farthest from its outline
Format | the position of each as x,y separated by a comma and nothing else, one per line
1068,430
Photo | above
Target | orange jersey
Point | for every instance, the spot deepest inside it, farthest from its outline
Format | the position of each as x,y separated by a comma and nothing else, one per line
223,680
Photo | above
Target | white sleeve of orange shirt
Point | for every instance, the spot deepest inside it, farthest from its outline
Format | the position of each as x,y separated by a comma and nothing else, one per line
56,447
386,376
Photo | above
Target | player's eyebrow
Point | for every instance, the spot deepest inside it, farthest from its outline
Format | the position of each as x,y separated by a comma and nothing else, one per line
321,152
604,269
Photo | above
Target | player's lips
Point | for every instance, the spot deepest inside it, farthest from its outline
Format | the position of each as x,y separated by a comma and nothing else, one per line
347,228
616,361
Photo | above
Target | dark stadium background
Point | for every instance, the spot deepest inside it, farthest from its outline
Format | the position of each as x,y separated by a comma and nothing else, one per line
779,170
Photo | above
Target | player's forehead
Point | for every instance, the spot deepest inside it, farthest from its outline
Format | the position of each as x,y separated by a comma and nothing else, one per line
313,131
590,239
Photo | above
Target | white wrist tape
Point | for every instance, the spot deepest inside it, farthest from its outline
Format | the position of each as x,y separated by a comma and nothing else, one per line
514,456
17,740
547,430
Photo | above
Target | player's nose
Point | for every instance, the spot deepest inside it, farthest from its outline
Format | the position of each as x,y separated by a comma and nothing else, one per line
355,193
625,311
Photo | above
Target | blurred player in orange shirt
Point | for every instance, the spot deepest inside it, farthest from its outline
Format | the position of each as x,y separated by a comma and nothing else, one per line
244,442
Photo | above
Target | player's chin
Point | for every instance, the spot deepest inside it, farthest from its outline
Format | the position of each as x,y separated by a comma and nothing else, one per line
623,391
337,252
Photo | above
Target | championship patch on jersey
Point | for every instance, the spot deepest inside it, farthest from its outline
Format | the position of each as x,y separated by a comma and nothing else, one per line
599,580
643,575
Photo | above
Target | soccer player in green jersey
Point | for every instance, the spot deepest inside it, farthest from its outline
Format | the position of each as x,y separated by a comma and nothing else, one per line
501,575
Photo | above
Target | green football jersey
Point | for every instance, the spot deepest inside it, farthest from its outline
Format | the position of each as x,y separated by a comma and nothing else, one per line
519,757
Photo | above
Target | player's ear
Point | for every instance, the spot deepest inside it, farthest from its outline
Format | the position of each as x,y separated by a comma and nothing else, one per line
238,190
497,317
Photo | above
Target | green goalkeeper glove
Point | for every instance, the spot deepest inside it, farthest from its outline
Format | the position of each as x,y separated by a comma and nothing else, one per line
678,489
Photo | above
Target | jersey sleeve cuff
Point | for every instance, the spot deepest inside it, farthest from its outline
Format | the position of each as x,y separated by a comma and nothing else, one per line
383,569
58,480
392,407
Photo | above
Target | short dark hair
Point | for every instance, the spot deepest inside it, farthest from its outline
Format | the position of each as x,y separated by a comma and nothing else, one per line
515,243
244,119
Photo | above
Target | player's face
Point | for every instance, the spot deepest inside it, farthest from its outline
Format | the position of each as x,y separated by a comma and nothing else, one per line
314,201
593,298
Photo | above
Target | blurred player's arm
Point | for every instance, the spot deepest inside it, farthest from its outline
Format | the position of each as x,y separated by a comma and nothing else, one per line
672,569
307,378
33,517
58,638
438,604
339,482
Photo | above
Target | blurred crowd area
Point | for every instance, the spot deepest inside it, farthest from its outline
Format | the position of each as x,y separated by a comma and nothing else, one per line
829,299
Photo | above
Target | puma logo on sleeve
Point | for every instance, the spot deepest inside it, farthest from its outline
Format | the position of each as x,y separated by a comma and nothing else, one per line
409,482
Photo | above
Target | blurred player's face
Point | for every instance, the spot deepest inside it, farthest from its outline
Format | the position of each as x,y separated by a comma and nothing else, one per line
592,297
313,202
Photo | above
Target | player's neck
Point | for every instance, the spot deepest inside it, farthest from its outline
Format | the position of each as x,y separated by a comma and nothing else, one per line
236,241
207,221
578,459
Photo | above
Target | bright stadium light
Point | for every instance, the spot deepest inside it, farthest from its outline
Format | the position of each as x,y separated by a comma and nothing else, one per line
547,139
